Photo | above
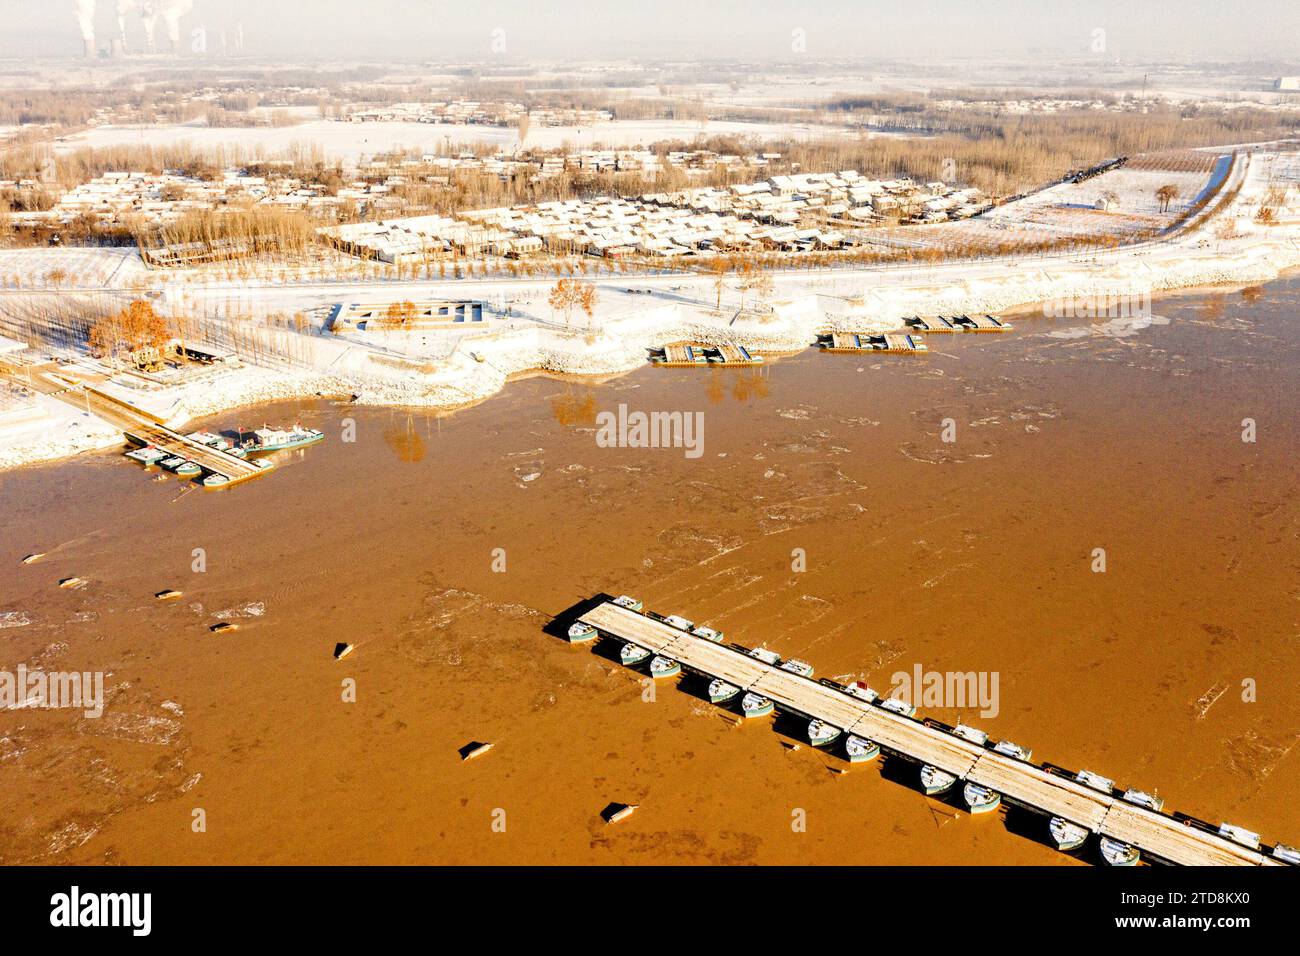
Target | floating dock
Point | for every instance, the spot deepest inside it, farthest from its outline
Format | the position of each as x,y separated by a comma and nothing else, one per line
934,323
213,461
733,355
1050,792
890,342
980,323
682,354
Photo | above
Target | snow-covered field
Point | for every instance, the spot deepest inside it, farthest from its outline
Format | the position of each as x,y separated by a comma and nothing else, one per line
350,141
71,268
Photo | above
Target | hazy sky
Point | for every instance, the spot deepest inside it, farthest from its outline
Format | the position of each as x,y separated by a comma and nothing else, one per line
598,29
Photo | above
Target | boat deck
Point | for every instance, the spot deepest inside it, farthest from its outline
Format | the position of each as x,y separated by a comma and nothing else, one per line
1158,835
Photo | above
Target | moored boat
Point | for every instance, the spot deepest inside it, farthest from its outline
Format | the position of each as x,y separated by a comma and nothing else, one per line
148,455
1287,854
631,654
1236,834
1144,799
679,622
188,469
631,603
215,481
898,706
708,633
860,750
1008,749
580,632
1096,781
720,691
861,691
664,667
936,781
1066,835
973,734
172,463
211,440
766,656
821,733
756,705
796,666
1117,853
278,439
980,799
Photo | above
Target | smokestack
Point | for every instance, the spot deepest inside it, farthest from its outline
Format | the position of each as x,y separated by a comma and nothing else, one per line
172,11
86,21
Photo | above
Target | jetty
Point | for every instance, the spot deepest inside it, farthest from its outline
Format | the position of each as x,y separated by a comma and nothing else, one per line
1041,789
213,461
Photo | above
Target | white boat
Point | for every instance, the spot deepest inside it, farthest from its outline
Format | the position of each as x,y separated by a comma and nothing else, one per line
1096,781
1287,854
172,463
936,781
860,750
708,633
1144,799
1008,749
972,734
861,691
795,666
215,481
678,622
980,799
1118,854
1239,835
720,691
211,440
661,666
148,455
766,656
898,706
277,439
631,654
631,603
580,632
821,733
755,705
1066,835
623,812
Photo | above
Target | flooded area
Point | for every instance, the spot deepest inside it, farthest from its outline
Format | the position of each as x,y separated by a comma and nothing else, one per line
827,517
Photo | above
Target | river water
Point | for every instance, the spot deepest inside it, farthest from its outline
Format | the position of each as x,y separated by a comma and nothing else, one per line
826,517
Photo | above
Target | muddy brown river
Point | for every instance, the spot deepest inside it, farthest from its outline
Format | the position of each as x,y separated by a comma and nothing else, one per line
826,517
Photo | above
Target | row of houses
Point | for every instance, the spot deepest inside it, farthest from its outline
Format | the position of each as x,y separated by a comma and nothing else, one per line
797,213
116,197
475,113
